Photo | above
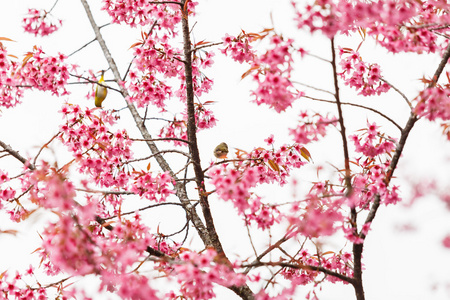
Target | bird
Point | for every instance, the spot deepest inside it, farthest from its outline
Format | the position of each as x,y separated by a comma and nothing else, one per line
221,151
100,91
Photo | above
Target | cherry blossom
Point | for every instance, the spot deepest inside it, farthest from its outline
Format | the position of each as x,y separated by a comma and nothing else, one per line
40,23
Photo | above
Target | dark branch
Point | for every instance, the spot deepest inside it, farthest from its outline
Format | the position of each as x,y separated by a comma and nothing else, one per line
16,155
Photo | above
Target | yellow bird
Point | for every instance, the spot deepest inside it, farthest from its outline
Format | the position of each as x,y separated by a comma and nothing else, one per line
221,151
100,91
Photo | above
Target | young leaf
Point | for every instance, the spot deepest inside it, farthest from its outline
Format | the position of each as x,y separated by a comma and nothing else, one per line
305,153
273,165
6,39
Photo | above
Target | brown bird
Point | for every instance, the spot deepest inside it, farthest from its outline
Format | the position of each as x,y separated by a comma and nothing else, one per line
221,151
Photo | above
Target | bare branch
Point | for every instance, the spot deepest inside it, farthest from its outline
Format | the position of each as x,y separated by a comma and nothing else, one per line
16,155
360,106
160,152
398,91
160,139
313,87
206,46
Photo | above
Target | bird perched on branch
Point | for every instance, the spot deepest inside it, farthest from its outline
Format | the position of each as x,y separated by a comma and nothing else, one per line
221,151
100,91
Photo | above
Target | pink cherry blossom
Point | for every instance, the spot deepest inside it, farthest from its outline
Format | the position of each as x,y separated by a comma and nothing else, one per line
40,23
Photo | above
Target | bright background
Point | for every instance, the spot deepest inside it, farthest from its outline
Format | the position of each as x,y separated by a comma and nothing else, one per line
404,257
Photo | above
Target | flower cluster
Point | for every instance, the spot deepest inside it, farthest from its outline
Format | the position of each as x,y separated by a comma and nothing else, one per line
370,183
434,103
45,73
201,83
372,142
204,117
176,128
129,286
50,188
79,247
238,48
40,23
153,58
141,12
311,127
10,92
271,70
274,68
148,90
235,183
397,25
6,192
319,214
156,59
418,34
337,262
363,77
154,188
197,274
18,286
331,16
98,152
316,221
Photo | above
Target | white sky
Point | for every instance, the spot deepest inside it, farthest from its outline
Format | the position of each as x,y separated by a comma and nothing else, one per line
399,265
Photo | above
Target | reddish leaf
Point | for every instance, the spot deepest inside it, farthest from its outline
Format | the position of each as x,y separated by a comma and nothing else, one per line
27,58
135,44
249,71
305,153
6,39
273,165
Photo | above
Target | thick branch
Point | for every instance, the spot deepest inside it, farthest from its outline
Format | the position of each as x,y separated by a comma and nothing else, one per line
347,178
192,137
357,248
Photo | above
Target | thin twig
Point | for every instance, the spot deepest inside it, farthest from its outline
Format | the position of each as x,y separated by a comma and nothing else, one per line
318,57
398,91
44,146
158,153
88,43
313,87
360,106
206,46
93,81
143,208
160,139
54,4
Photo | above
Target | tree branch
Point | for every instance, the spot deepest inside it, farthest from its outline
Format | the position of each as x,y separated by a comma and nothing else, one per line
300,267
357,105
16,155
192,137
